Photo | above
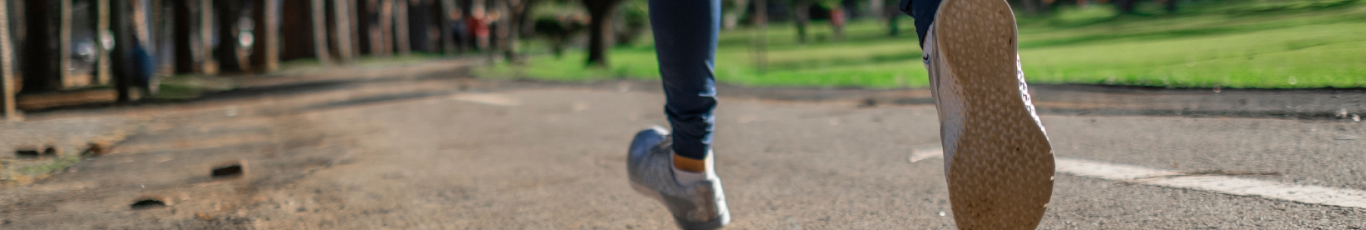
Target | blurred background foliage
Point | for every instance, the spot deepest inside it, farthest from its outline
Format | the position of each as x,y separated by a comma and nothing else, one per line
1161,43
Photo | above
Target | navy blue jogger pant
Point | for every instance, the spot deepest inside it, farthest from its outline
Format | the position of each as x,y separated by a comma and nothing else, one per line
685,33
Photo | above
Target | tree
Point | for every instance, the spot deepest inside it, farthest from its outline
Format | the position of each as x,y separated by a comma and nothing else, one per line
517,10
761,38
514,25
229,51
557,31
600,29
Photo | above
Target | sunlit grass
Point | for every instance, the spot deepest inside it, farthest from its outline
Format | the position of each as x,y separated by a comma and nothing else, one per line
1233,44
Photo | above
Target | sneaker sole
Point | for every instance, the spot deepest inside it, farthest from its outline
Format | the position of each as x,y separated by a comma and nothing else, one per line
1001,174
682,223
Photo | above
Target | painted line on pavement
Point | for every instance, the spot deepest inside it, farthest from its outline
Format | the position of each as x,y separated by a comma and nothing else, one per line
1214,183
487,99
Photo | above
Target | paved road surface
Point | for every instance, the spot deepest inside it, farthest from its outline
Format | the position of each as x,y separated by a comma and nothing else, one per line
420,154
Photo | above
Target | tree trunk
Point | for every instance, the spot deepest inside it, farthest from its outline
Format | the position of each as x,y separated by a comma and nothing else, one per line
353,26
228,50
265,54
7,87
803,10
420,25
600,29
524,19
401,42
379,27
39,60
318,19
184,35
120,17
515,8
761,39
448,40
341,30
165,25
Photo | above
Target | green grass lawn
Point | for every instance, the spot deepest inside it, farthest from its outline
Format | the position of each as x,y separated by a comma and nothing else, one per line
1228,43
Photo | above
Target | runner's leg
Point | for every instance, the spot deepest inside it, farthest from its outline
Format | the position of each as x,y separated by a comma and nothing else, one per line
676,169
685,34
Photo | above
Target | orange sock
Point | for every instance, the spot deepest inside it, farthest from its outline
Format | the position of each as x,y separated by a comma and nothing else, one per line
689,164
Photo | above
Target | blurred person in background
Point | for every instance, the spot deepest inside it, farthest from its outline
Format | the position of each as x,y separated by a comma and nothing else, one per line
477,25
460,29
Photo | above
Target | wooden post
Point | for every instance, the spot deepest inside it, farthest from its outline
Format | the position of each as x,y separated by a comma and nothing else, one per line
208,64
6,66
102,38
401,42
64,47
265,54
365,20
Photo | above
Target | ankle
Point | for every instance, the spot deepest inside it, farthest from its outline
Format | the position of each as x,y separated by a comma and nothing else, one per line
689,164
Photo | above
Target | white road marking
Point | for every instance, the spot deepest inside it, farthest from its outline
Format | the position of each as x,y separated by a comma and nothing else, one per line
487,99
1213,183
928,153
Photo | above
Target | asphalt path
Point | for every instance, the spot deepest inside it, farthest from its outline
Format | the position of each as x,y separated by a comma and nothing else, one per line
422,155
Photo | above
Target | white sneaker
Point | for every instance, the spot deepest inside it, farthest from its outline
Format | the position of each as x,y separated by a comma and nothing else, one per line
697,205
998,161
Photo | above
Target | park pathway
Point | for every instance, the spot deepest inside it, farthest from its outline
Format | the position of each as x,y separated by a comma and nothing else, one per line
456,153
